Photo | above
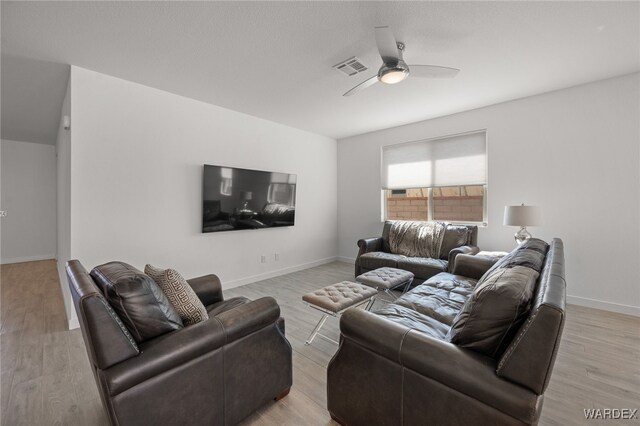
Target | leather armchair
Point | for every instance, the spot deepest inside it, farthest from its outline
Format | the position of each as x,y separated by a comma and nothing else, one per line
213,372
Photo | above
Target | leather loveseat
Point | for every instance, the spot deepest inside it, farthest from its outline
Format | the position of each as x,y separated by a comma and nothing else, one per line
215,372
376,252
471,347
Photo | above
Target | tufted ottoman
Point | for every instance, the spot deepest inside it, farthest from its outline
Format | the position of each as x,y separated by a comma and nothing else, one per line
386,279
335,299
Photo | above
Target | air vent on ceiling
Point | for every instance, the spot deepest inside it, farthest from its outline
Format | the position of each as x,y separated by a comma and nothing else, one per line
351,66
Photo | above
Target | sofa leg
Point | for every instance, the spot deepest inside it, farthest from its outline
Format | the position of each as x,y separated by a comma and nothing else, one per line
282,395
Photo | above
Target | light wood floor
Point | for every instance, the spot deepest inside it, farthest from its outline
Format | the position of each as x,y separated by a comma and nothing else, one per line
46,378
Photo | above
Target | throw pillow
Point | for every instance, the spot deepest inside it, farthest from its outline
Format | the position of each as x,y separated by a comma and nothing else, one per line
137,299
180,294
493,314
454,236
536,244
523,257
530,254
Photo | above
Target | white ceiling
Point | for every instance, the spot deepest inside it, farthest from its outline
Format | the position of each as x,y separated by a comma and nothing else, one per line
32,95
274,59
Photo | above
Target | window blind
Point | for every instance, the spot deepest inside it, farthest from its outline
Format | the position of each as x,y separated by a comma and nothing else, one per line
449,161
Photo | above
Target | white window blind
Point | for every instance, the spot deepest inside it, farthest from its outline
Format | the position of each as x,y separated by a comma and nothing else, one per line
449,161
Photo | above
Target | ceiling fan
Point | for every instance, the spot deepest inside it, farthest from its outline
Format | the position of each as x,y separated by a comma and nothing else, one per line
394,69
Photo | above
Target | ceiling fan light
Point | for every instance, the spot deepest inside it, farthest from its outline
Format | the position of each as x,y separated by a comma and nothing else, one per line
393,74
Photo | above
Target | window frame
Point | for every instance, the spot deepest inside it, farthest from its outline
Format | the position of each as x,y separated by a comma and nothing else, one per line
430,203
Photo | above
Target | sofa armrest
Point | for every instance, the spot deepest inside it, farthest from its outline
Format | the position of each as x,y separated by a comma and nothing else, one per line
467,372
373,332
463,370
472,266
458,251
164,353
208,289
179,347
367,245
245,319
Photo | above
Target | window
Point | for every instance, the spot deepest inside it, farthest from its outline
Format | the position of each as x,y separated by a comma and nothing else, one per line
226,183
282,189
438,179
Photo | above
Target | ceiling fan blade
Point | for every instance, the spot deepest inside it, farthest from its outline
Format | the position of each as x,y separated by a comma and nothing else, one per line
368,82
432,71
387,45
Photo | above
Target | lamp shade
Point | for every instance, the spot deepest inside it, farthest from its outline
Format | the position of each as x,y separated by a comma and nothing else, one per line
522,215
246,195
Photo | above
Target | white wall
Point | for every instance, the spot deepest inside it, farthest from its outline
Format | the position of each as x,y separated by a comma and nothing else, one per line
63,148
574,152
137,158
29,198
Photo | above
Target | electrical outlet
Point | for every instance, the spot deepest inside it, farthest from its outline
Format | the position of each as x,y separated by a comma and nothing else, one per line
276,257
3,213
263,259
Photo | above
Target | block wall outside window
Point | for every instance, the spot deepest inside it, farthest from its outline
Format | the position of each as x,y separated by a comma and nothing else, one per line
407,208
451,204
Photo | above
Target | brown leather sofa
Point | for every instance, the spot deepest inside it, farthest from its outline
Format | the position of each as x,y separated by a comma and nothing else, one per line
374,253
399,365
215,372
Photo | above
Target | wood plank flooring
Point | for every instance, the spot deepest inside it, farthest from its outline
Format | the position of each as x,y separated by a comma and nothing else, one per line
46,380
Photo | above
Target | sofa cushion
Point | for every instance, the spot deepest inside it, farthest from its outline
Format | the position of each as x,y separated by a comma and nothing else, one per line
379,259
454,236
414,320
441,297
491,316
179,293
423,267
137,299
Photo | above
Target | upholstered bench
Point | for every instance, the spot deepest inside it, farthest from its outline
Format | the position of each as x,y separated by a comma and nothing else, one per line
386,279
335,299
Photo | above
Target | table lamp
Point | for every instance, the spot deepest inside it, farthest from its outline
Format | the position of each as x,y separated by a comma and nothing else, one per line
245,196
522,216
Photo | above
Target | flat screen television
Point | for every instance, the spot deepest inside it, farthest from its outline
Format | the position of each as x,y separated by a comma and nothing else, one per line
234,199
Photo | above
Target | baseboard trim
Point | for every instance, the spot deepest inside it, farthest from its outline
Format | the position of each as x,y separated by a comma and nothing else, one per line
27,259
344,259
276,273
74,323
607,306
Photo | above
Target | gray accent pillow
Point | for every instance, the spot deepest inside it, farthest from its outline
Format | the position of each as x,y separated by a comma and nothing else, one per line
454,236
180,294
523,257
535,244
137,299
530,254
492,315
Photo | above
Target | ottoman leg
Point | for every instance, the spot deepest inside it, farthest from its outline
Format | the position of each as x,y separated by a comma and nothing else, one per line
407,286
370,304
390,293
316,329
